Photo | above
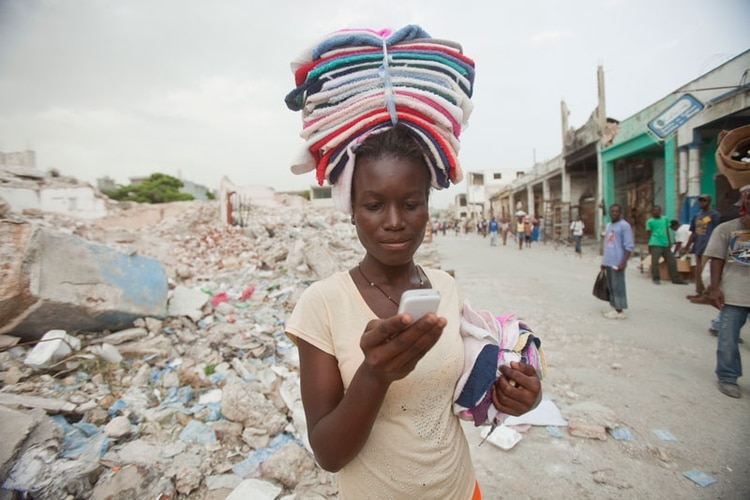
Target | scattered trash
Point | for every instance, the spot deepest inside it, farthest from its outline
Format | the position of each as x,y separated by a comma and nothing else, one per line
502,436
197,432
547,413
248,466
52,347
700,478
554,431
664,435
621,434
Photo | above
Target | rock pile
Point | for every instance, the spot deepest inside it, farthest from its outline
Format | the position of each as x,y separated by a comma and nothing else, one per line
203,403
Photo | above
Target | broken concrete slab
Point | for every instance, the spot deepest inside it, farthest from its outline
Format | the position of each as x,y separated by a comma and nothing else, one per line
16,426
62,281
187,302
49,405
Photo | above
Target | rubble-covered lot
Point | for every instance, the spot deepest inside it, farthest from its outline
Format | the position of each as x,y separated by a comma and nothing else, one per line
201,403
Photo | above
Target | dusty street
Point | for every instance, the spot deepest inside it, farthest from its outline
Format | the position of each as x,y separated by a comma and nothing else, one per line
654,371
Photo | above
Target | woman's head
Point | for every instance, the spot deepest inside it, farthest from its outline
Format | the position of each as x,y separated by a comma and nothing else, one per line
390,192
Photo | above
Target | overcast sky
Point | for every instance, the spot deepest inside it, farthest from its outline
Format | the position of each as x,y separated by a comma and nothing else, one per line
195,88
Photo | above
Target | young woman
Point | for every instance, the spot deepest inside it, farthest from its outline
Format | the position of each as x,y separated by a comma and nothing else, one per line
377,386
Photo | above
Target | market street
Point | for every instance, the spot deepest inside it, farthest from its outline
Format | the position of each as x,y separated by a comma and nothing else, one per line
654,371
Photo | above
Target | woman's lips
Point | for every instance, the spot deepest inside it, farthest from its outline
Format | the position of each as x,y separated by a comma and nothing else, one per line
395,245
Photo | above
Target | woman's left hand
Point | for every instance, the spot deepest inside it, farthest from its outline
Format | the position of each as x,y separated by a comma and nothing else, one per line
517,390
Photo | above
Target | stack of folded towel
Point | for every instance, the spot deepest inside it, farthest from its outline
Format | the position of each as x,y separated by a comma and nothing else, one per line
489,342
354,83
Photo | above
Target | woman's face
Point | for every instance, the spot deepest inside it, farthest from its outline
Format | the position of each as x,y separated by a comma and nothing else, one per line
390,208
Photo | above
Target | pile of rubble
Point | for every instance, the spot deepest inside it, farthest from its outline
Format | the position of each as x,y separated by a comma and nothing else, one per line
201,403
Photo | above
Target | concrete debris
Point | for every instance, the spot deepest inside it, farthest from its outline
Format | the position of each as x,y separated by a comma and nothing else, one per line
54,279
195,396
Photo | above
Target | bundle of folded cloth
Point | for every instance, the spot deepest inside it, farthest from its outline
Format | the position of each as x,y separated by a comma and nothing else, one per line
357,82
490,342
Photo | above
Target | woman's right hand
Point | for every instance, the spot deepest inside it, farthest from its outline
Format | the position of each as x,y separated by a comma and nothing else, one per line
393,346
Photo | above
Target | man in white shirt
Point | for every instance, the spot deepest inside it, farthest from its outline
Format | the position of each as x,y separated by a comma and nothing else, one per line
576,228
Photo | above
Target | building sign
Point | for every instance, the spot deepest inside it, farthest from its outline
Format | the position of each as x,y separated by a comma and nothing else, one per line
675,115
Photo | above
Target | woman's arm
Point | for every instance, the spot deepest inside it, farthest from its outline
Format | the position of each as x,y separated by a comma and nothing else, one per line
339,422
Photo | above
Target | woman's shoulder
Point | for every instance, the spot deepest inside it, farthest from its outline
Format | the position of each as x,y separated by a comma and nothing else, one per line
333,283
439,278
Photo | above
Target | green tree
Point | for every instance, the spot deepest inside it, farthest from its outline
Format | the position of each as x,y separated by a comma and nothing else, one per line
158,188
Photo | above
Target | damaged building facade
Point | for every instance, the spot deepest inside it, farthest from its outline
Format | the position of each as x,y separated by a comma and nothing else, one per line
662,155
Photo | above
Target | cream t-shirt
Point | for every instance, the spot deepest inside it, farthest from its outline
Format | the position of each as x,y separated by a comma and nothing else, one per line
417,448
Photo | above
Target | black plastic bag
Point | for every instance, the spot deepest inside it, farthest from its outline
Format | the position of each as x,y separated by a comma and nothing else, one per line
601,287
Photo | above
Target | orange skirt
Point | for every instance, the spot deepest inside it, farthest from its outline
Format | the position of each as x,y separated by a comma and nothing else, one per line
477,494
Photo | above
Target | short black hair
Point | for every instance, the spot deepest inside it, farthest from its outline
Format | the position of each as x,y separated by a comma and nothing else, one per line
397,141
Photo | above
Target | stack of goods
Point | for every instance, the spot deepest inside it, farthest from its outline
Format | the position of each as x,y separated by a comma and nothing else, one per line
354,83
733,156
489,342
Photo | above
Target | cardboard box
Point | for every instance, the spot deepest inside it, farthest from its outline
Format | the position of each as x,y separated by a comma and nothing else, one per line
683,268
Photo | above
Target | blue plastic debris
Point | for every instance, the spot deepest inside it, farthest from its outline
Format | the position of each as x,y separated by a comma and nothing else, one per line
253,461
177,397
197,432
155,375
621,434
80,437
664,435
118,405
700,478
554,431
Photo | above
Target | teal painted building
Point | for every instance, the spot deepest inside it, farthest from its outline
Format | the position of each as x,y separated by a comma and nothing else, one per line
643,166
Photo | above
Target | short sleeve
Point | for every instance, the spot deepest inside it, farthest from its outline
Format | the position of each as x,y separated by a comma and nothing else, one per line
310,320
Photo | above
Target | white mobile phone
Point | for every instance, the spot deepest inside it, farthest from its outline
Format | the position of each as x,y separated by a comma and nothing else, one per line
419,302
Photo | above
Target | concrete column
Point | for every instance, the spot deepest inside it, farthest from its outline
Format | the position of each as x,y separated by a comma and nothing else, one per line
683,170
529,199
694,171
565,186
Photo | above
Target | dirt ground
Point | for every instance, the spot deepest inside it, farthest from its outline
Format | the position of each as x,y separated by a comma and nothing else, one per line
654,371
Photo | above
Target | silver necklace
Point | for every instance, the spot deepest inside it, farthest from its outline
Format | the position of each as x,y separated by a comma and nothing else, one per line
387,296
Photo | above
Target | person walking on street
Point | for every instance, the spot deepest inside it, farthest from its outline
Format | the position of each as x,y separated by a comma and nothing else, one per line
729,251
618,244
493,232
659,242
576,228
504,228
701,226
520,234
527,231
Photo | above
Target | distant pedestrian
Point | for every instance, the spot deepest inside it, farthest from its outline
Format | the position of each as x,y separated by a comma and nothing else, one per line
444,224
701,226
659,242
504,229
618,244
493,232
520,234
729,251
576,228
527,231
